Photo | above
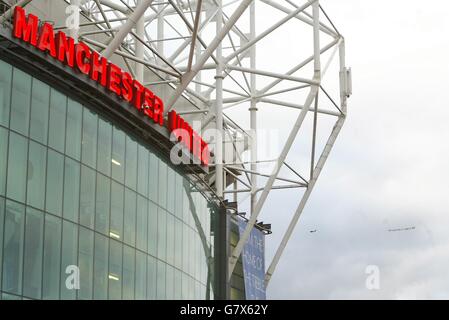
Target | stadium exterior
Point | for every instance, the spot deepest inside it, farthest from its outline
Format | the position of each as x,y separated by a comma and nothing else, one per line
88,129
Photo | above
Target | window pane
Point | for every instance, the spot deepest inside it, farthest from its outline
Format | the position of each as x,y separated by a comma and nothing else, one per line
161,280
39,111
13,247
178,197
69,258
152,229
185,286
170,283
89,143
186,204
102,204
3,159
17,167
142,176
104,147
55,169
2,220
153,177
170,190
118,155
162,199
141,276
170,239
58,107
86,262
117,195
52,257
71,189
20,101
191,252
37,164
151,278
130,217
177,285
34,237
115,270
6,296
131,163
87,202
178,244
142,223
161,234
101,267
185,247
128,272
5,92
73,134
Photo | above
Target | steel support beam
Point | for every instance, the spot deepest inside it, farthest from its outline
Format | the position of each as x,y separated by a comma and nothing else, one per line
189,76
194,34
317,170
8,14
281,22
126,28
140,49
275,4
291,138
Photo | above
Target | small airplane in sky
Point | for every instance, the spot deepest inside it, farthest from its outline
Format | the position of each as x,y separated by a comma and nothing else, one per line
401,229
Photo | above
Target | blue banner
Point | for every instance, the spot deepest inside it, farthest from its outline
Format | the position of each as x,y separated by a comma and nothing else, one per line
253,259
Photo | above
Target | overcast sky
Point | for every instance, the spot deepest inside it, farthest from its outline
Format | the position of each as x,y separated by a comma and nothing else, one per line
388,170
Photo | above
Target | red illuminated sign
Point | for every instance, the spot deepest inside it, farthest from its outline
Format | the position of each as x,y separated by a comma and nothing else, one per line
189,137
80,57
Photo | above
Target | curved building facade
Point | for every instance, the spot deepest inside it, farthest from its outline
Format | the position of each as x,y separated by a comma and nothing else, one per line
79,190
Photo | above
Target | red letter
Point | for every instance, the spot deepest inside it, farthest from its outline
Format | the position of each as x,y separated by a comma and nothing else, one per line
47,40
205,153
114,78
66,49
83,54
99,65
172,121
149,103
138,94
127,89
181,132
158,111
23,29
188,131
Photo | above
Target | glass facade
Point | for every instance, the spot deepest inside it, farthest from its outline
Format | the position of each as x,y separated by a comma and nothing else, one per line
76,190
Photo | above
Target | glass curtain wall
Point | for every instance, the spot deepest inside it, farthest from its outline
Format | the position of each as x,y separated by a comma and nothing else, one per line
76,190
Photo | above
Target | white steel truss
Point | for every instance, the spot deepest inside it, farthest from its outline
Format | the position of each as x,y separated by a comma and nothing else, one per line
201,50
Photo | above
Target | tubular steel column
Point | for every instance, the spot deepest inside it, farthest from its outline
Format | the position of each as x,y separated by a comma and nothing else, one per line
140,31
221,248
218,151
160,30
253,108
223,218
